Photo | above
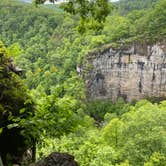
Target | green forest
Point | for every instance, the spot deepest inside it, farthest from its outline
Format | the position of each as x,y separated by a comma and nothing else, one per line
43,101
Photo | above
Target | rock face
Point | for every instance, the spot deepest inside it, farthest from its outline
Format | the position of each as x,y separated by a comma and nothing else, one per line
133,72
57,159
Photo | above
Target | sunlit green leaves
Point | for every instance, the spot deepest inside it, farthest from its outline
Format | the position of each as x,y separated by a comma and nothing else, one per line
1,130
156,159
14,50
112,133
92,13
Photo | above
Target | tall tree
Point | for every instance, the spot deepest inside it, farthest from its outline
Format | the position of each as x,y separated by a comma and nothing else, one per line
92,13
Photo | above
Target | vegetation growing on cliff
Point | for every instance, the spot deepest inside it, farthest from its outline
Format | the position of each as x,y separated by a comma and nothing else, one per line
50,49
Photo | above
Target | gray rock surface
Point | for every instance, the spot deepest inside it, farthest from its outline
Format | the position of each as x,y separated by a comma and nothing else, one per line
57,159
133,72
1,164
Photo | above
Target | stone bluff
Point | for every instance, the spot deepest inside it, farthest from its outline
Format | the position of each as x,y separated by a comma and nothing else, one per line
134,72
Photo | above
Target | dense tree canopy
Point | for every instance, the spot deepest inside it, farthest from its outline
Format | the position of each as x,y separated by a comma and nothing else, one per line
126,6
46,44
92,13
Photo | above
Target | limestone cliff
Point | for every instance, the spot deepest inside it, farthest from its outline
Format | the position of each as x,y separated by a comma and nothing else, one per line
134,72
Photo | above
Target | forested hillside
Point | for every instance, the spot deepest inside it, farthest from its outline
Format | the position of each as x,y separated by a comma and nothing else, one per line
126,6
48,46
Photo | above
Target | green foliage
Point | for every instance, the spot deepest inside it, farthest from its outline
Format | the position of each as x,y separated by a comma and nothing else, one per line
92,13
15,50
84,144
118,28
16,110
136,138
14,100
112,133
126,6
152,25
58,115
157,159
98,109
144,128
48,46
52,46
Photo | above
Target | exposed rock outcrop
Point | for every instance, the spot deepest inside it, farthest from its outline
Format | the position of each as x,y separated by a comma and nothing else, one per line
134,72
57,159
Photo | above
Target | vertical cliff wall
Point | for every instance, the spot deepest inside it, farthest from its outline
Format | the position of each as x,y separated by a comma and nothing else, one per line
132,72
